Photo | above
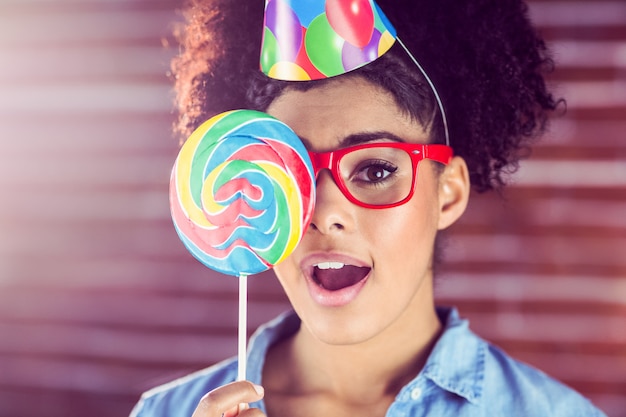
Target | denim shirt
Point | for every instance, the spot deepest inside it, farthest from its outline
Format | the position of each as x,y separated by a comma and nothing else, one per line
463,376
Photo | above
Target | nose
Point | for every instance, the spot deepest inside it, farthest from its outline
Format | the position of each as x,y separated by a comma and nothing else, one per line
333,211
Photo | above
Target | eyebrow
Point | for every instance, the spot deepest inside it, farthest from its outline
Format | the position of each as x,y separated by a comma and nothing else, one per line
361,138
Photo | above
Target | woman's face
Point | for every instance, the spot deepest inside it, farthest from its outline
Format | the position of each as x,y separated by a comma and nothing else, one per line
358,272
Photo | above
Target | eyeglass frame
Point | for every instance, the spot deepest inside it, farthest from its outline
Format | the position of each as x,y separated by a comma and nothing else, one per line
416,151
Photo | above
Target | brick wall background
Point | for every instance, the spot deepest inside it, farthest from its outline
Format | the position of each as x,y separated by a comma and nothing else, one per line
99,300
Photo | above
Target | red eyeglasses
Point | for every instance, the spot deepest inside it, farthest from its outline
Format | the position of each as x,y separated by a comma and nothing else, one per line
378,175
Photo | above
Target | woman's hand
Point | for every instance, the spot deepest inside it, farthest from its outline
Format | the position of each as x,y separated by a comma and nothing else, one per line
231,400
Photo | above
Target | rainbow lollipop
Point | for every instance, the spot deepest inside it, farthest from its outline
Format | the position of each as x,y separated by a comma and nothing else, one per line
241,196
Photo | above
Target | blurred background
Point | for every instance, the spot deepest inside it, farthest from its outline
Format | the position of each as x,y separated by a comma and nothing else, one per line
99,300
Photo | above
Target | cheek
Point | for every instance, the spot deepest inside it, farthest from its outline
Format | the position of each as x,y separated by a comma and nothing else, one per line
284,270
289,275
403,233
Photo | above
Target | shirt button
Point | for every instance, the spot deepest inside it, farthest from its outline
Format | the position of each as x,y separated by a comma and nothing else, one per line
416,393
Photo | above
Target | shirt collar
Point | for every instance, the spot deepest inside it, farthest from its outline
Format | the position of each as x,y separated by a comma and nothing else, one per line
264,337
457,362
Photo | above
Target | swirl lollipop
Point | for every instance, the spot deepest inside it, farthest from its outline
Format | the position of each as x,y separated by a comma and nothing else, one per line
241,196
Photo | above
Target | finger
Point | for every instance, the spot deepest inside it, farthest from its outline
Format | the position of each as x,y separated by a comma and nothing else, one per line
237,410
251,412
226,398
243,410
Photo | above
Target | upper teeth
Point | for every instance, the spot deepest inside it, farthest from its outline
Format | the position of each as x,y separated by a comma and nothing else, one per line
330,265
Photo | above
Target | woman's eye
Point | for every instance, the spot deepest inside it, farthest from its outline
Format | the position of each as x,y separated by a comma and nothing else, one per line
374,171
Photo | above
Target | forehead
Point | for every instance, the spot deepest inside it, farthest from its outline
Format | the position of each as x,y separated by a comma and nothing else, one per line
326,114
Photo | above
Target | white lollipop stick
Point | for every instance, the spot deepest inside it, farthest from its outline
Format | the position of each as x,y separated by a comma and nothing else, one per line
243,326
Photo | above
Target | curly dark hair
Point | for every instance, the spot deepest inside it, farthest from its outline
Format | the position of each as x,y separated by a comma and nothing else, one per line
485,58
394,72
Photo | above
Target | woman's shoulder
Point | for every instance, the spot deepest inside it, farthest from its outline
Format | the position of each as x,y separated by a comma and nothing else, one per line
489,379
512,385
181,396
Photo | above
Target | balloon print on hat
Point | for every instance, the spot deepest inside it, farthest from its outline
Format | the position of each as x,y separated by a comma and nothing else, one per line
309,40
352,20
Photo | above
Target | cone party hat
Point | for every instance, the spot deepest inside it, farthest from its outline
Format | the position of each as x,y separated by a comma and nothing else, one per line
314,39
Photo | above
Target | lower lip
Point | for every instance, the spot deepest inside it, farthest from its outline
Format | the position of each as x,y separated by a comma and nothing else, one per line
336,298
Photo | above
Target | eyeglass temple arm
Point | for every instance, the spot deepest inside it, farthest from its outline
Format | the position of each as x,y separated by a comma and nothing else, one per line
439,153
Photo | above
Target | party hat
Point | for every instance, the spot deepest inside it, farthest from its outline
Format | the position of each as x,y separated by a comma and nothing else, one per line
314,39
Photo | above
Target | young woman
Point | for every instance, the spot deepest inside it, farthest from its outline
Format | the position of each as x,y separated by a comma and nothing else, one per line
365,337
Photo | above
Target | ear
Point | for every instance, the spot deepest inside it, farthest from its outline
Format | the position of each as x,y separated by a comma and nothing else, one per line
454,190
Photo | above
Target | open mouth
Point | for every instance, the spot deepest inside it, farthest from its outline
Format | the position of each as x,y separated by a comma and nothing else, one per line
334,276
